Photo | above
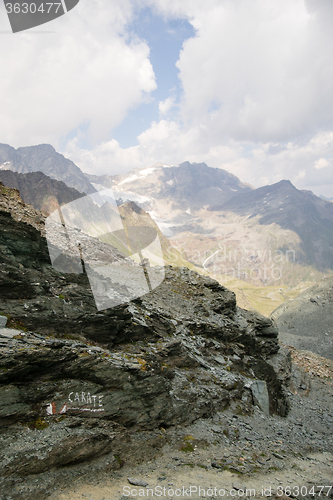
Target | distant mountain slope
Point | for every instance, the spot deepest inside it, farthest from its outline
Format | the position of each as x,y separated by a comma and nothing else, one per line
44,158
299,211
39,190
274,235
306,321
187,186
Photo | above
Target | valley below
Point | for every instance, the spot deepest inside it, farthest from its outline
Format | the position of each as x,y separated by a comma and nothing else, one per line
205,373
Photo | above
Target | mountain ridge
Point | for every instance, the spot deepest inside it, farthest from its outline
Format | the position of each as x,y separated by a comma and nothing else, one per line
44,158
209,214
188,185
39,190
305,322
296,210
172,196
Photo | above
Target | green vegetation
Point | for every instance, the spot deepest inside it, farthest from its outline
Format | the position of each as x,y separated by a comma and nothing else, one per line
264,299
39,424
15,324
119,460
187,445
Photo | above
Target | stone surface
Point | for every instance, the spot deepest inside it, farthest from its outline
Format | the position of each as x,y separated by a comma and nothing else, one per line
260,395
137,482
75,382
8,332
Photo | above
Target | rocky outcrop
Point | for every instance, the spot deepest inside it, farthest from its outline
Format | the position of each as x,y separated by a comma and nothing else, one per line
76,378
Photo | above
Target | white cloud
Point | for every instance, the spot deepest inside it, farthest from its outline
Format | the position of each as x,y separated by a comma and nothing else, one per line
321,163
165,106
255,163
256,80
264,63
86,74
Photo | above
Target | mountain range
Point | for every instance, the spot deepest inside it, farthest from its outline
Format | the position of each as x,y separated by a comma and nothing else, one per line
173,194
275,236
231,229
298,211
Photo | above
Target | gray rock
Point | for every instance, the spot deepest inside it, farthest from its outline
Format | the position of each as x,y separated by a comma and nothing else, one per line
3,321
137,482
281,363
216,465
36,457
8,333
260,395
239,486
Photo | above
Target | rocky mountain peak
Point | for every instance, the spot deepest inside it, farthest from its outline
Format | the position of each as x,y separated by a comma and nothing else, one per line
44,158
47,149
186,187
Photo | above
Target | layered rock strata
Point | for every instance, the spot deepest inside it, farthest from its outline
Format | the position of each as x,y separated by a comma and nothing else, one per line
79,378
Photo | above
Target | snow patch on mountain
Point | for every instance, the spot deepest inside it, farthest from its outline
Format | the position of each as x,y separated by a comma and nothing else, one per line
129,179
147,171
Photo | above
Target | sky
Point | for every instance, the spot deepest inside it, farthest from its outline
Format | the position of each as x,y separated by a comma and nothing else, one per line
117,84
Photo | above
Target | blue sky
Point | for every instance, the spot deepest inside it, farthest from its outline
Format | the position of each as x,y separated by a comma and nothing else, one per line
117,84
165,38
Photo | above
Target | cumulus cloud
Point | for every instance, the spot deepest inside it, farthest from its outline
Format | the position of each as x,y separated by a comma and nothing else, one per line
266,67
86,75
256,84
321,163
165,106
255,163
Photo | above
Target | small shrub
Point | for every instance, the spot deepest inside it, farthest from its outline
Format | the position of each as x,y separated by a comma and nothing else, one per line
187,445
38,424
119,460
143,364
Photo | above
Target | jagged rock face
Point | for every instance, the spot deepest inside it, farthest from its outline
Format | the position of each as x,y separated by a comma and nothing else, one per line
44,158
181,352
39,190
185,300
185,305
